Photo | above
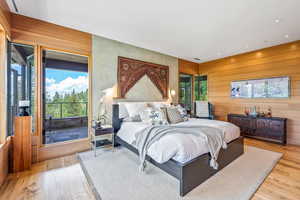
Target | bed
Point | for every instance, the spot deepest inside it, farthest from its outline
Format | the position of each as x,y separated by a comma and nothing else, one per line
179,155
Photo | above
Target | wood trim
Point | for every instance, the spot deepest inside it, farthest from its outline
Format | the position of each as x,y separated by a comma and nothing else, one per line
62,149
4,159
3,89
281,60
49,151
5,17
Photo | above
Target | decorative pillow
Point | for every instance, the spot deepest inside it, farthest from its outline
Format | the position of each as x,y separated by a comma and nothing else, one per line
174,116
182,112
153,116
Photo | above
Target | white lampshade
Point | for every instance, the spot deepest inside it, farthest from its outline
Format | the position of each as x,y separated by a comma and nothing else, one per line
24,103
173,93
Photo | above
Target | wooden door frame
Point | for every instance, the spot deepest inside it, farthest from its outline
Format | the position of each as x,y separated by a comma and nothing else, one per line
44,152
192,88
40,96
3,74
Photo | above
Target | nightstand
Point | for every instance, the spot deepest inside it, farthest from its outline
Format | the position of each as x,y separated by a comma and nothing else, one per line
99,137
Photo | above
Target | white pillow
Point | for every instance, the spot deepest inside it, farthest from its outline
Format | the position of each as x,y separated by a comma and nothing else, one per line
158,105
145,115
123,113
134,109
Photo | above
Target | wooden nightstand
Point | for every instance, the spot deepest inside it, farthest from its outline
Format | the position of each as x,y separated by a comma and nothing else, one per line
99,139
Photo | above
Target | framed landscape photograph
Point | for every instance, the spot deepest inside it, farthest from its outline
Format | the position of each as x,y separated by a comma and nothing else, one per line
278,87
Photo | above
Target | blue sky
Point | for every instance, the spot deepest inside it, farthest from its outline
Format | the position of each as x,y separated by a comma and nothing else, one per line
59,75
63,81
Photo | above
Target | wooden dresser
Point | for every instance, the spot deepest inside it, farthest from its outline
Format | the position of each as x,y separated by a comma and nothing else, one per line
271,129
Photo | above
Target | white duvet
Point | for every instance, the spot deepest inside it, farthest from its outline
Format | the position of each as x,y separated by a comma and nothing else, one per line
179,147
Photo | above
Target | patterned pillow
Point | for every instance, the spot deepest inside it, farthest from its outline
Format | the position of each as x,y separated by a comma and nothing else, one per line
182,112
174,116
153,116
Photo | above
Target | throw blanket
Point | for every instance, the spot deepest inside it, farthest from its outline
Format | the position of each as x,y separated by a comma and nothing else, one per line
213,137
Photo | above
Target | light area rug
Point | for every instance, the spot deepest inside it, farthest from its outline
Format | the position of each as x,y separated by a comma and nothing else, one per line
114,175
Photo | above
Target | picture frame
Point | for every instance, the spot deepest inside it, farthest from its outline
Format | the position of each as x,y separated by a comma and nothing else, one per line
274,87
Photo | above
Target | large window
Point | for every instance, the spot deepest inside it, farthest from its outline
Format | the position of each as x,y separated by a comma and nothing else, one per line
185,90
65,97
21,81
200,88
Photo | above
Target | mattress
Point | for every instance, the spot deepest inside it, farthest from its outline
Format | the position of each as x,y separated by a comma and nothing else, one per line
179,147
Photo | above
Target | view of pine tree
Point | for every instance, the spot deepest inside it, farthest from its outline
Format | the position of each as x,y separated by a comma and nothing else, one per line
67,105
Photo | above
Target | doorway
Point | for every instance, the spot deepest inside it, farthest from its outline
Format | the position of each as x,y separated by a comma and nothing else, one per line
65,96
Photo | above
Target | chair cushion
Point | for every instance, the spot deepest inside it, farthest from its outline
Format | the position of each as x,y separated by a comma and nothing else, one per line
202,109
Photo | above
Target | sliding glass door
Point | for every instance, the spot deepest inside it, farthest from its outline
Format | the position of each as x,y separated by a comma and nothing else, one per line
65,97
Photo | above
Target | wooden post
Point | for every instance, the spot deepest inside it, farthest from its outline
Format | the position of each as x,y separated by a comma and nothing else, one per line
22,144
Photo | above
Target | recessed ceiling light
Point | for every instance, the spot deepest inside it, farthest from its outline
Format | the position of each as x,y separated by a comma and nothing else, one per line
286,36
197,59
277,20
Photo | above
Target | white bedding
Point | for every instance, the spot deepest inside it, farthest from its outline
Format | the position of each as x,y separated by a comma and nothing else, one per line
180,147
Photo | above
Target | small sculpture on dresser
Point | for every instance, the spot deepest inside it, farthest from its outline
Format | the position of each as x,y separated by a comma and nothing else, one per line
269,114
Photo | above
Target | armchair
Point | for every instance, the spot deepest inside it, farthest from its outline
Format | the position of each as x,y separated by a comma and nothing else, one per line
203,110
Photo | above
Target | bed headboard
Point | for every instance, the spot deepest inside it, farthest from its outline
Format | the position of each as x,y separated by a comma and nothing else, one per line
116,121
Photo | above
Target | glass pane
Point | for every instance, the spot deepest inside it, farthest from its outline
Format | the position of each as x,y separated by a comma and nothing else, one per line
200,88
21,83
185,84
65,96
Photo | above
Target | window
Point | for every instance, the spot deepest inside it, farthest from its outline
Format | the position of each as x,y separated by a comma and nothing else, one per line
185,90
21,81
200,88
65,97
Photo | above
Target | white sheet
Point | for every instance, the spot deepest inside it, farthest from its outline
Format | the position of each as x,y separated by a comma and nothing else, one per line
180,147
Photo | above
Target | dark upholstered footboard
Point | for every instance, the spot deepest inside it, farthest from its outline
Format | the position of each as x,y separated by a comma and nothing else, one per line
196,171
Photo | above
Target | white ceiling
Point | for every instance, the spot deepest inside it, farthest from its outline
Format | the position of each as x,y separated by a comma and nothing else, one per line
205,29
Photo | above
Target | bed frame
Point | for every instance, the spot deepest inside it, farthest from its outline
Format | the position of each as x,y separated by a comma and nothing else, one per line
192,173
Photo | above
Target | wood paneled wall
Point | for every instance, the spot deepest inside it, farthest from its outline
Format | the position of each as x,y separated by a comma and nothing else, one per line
187,67
37,32
282,60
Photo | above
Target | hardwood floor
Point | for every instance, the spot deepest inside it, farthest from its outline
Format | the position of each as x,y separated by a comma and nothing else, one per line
62,178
